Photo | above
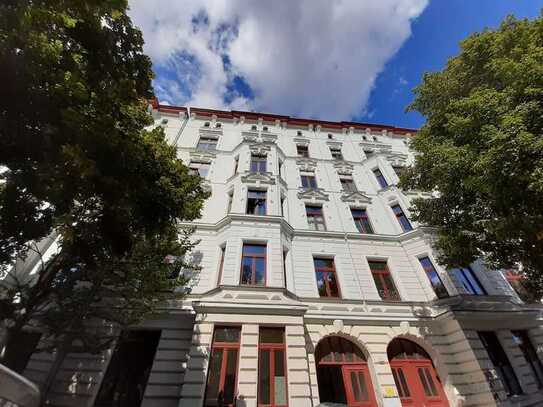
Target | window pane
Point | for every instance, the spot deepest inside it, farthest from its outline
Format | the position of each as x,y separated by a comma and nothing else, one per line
227,334
271,335
280,383
364,396
392,292
321,286
260,270
254,249
264,377
230,376
424,382
378,265
355,386
332,284
246,270
323,263
470,275
214,375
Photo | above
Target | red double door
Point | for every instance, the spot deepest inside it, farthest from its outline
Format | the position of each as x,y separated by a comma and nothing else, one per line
358,389
418,384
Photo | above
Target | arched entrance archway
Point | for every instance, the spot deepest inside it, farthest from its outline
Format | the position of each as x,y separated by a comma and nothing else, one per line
342,373
416,378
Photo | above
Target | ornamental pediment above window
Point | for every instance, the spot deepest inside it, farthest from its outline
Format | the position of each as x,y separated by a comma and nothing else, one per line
259,149
375,147
306,164
334,144
202,156
343,168
312,195
301,141
255,137
258,178
357,198
397,159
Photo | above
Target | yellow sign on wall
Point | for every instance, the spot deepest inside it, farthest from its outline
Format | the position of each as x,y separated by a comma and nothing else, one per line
389,391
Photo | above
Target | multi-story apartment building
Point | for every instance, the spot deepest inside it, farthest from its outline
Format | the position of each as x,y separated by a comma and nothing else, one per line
315,285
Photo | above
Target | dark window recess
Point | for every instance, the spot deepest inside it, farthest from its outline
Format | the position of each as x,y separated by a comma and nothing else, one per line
368,153
500,362
256,202
380,178
325,272
20,350
383,281
309,181
433,276
336,153
530,354
469,280
253,265
402,219
258,163
303,151
315,218
128,370
347,184
361,220
223,368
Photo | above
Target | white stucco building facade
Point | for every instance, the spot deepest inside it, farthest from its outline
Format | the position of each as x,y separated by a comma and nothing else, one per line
315,285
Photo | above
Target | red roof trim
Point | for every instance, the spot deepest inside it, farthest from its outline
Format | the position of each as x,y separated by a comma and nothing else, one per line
293,121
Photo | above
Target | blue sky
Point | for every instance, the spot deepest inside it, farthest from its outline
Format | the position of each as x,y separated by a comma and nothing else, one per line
326,59
435,38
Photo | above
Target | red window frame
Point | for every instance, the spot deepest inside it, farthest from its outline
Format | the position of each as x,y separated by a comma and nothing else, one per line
359,220
253,256
226,347
327,271
315,217
272,348
388,293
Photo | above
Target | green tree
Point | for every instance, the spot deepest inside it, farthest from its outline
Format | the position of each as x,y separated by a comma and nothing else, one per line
481,151
80,160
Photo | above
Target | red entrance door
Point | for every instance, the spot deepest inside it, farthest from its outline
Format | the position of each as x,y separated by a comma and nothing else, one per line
418,384
358,388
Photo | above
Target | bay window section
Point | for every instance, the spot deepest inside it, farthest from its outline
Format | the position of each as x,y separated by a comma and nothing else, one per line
325,273
361,220
383,281
256,202
433,276
223,368
253,265
272,376
469,281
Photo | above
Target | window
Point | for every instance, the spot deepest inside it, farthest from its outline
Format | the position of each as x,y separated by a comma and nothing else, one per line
364,138
230,201
309,181
383,281
336,153
207,143
223,367
283,203
285,254
330,136
218,125
402,219
221,264
258,163
253,128
236,165
272,371
434,278
253,264
361,220
325,272
128,369
375,138
206,124
368,153
280,168
500,362
265,128
303,151
256,202
469,280
315,218
530,354
380,178
347,184
199,168
299,133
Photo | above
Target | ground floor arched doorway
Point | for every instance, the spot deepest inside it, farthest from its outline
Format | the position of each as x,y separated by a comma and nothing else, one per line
342,373
416,378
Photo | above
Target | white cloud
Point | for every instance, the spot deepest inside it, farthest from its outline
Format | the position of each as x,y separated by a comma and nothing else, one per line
311,58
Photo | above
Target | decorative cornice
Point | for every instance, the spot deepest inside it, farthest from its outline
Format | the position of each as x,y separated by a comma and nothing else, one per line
202,155
306,164
258,178
210,132
312,194
302,141
357,197
259,148
343,167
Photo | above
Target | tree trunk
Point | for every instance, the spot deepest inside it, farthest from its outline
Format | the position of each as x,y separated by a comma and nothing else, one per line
52,374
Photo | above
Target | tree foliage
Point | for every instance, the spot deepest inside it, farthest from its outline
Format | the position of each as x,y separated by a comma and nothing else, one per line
481,150
82,161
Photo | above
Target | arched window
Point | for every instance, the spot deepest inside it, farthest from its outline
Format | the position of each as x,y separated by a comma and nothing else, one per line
342,373
416,379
